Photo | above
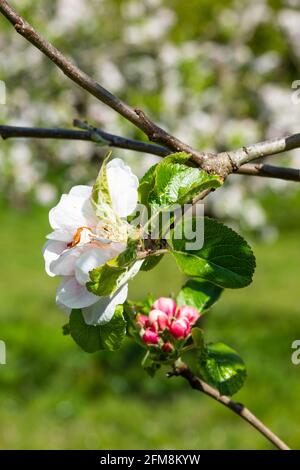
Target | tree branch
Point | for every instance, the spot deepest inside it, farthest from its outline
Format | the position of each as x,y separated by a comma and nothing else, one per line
8,132
122,142
198,384
228,162
135,116
270,171
94,135
261,149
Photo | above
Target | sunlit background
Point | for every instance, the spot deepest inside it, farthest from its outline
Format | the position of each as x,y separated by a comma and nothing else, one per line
219,75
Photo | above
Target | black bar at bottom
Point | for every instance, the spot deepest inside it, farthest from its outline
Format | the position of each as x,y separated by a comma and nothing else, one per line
133,459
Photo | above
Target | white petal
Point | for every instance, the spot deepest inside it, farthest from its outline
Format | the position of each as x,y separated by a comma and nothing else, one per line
93,258
74,295
71,213
64,265
103,310
123,186
61,235
51,252
81,191
65,309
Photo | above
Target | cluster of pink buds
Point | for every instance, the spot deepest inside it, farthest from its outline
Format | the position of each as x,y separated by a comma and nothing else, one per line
166,315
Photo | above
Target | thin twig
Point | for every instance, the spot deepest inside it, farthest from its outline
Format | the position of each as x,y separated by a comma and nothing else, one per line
94,135
8,132
270,171
198,384
152,252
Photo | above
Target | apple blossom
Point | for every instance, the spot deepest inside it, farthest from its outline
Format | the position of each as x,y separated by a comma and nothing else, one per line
159,319
180,328
167,347
150,337
81,241
166,315
166,305
142,320
190,313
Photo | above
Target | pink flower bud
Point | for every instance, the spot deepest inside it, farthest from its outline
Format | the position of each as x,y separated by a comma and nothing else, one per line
189,313
142,320
153,316
163,322
150,337
158,318
166,305
167,347
153,327
180,328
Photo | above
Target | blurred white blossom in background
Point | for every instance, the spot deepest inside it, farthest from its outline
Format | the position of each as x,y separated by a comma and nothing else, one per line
45,193
217,80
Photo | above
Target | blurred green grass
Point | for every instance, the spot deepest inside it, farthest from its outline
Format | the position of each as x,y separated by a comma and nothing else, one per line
55,396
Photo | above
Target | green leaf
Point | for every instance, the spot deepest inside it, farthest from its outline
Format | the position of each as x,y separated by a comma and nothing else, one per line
126,257
225,259
146,185
151,262
174,181
100,193
107,278
198,338
199,294
94,338
222,368
177,183
66,329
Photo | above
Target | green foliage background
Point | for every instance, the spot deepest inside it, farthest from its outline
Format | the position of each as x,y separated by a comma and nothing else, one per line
52,395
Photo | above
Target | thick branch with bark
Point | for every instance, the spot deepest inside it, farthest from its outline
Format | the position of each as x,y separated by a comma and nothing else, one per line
198,384
262,149
228,162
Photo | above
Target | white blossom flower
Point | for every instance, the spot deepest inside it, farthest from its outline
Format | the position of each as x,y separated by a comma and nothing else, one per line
80,242
45,193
